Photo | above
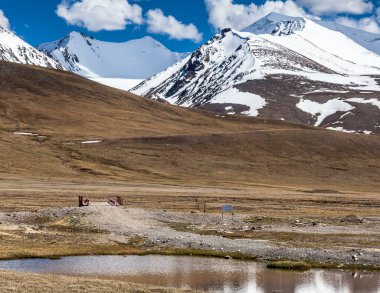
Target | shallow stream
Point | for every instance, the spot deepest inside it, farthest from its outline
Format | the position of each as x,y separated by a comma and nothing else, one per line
208,274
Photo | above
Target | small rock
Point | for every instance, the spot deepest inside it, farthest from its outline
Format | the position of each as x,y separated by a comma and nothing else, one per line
354,257
227,257
353,219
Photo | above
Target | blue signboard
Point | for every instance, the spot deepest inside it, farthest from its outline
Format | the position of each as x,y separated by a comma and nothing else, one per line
228,208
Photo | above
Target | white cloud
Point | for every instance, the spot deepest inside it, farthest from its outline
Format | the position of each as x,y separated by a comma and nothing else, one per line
321,7
378,14
225,13
159,23
96,15
4,22
368,24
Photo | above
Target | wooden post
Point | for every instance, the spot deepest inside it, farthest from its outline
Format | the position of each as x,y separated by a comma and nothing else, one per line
120,200
80,198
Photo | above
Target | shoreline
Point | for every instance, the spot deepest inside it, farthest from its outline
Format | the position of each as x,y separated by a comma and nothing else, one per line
283,264
102,230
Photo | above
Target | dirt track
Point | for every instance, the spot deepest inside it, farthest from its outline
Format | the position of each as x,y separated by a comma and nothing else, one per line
161,229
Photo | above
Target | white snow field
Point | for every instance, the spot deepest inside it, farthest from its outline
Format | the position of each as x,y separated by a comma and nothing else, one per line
135,59
324,110
119,83
374,102
254,102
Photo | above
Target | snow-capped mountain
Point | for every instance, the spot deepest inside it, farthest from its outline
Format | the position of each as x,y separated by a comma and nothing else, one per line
112,63
281,67
14,49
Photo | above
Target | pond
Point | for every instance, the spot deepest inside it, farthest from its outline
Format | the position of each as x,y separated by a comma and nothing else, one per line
208,274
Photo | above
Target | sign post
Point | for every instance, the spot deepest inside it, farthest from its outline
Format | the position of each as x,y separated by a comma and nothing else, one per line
228,209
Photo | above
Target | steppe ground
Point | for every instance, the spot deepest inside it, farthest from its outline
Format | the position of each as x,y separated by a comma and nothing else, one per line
309,193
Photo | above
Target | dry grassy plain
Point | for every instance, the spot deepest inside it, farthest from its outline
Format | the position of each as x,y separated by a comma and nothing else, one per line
162,157
149,142
33,283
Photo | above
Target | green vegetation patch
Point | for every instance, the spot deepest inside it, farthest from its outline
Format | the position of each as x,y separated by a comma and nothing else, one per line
289,265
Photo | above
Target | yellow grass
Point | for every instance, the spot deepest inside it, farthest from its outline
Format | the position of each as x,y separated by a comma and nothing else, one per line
35,283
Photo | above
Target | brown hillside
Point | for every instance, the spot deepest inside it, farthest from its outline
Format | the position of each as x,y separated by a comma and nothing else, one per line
146,141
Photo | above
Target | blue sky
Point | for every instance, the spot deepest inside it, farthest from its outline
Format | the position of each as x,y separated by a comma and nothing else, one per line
192,21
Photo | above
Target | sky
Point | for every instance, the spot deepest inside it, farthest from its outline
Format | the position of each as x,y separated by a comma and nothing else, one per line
181,25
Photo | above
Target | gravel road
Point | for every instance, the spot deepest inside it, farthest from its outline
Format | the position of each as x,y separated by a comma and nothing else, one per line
121,224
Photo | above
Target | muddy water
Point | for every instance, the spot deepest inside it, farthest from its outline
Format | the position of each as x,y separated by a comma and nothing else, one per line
208,274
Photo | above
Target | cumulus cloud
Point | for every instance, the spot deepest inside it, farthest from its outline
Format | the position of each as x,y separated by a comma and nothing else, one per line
96,15
4,22
368,24
225,13
158,23
323,7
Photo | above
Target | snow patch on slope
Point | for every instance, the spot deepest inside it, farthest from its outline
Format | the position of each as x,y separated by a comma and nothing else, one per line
341,129
324,110
374,102
234,96
118,83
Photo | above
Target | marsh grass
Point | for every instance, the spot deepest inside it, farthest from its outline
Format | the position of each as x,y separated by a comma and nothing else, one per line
289,265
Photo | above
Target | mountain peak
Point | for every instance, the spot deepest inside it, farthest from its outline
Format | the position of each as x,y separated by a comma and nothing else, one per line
133,59
280,61
75,34
15,49
277,24
275,17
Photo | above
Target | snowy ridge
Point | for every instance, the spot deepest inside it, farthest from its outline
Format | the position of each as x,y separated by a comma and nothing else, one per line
135,59
370,41
14,49
329,48
229,58
276,24
288,68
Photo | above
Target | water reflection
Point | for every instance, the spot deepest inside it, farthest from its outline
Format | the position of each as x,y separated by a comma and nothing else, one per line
208,274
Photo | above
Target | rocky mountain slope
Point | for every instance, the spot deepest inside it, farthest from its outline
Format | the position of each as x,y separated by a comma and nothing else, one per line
91,58
286,68
14,49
